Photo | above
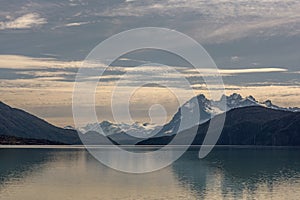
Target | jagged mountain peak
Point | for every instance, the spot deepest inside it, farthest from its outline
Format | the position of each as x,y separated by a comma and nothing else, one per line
251,98
202,97
210,108
236,100
268,103
235,96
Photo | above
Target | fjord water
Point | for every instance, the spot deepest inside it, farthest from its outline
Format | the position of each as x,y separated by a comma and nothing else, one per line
227,173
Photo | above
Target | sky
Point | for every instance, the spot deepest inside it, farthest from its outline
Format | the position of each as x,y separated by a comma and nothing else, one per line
255,44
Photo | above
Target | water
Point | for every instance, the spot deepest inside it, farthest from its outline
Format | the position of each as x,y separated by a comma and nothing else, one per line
227,173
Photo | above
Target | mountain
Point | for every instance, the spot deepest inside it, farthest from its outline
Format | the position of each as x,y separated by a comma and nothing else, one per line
254,125
17,125
135,129
20,127
209,108
124,134
20,124
132,133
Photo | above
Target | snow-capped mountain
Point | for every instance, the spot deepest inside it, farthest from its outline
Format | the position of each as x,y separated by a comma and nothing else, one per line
138,130
209,109
253,125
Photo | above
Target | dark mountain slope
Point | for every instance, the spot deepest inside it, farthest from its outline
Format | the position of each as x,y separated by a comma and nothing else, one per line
18,123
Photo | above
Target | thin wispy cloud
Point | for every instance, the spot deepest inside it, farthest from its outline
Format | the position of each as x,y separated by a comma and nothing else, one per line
26,21
256,70
236,71
24,67
18,62
76,24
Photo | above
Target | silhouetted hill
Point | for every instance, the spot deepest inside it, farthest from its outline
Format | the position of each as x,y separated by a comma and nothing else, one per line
20,127
247,126
20,124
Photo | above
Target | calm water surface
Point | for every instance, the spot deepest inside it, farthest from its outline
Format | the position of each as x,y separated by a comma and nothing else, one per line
227,173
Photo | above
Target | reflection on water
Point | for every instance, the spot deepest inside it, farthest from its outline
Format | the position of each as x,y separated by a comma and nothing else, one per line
242,173
16,163
227,173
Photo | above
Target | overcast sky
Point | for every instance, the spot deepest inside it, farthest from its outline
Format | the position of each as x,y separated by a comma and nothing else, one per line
255,44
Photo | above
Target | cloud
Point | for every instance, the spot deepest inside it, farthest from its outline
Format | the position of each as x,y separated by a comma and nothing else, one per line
19,62
237,71
209,22
214,9
76,24
257,70
26,21
217,21
235,59
23,67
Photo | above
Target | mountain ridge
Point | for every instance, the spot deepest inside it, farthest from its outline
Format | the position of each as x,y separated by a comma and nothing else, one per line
208,109
17,124
253,125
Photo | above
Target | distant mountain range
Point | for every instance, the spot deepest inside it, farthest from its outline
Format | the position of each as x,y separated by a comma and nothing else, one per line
247,122
208,109
135,129
123,133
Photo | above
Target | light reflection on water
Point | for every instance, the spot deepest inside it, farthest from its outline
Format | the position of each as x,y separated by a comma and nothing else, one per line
227,173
